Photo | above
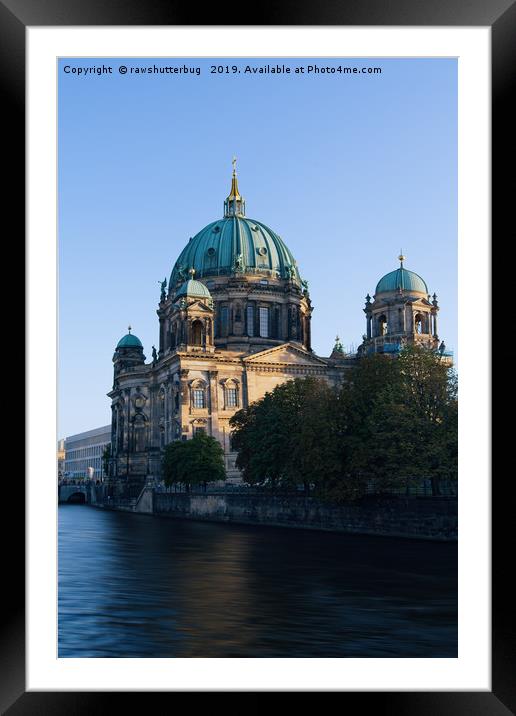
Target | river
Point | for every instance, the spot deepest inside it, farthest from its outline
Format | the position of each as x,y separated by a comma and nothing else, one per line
140,586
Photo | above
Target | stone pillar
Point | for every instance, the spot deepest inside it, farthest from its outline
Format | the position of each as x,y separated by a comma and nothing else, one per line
410,315
184,387
128,430
309,331
213,405
245,390
161,335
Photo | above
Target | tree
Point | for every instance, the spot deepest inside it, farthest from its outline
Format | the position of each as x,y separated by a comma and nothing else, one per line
286,438
408,430
260,433
431,388
193,462
365,383
392,423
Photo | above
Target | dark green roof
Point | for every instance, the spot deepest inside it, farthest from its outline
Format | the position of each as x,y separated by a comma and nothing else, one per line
235,240
193,288
129,341
404,279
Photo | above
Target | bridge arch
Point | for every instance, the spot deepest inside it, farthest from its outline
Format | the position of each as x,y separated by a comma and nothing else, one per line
77,498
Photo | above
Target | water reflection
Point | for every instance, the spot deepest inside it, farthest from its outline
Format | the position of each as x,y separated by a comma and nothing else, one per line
136,586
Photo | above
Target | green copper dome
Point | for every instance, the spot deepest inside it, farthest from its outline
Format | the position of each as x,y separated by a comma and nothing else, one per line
235,244
129,341
194,289
401,279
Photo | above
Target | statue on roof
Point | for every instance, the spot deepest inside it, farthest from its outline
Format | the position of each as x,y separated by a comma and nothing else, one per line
163,285
338,347
239,263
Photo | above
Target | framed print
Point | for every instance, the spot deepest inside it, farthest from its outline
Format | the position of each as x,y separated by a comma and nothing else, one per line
109,204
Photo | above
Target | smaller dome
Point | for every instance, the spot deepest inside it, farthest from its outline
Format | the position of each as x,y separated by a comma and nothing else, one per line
129,341
193,289
401,278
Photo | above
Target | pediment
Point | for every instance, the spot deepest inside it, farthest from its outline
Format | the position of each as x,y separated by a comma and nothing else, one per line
286,353
196,306
200,306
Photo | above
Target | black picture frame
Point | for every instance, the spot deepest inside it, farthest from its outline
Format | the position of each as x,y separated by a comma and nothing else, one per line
500,16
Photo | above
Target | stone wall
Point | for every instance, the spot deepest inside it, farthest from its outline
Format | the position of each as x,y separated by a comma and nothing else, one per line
424,518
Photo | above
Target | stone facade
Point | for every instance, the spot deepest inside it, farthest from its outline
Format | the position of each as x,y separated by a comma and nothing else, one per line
234,323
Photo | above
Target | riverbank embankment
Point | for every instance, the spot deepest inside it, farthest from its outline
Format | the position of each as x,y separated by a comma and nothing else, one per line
431,518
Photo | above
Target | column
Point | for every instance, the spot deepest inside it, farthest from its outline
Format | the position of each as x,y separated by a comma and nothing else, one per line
213,405
161,335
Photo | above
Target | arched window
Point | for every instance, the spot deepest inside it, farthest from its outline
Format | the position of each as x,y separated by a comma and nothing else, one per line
139,433
198,394
382,325
197,333
418,323
230,388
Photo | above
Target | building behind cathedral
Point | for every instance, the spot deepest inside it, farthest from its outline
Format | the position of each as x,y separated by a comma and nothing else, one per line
234,322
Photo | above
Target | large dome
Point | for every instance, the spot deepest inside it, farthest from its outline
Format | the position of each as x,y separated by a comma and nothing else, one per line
235,241
401,279
235,244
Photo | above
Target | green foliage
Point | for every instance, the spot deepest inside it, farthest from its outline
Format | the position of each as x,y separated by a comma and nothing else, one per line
287,437
193,462
392,422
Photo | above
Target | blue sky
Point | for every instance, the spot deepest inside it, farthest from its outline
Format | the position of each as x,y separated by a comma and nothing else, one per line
348,169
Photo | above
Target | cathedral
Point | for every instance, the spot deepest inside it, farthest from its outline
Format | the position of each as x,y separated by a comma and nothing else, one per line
234,322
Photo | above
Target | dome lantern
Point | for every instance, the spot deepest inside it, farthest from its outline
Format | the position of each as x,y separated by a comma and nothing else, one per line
235,203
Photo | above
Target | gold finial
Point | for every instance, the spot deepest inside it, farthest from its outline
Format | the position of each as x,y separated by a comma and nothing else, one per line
129,328
234,193
401,258
191,272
